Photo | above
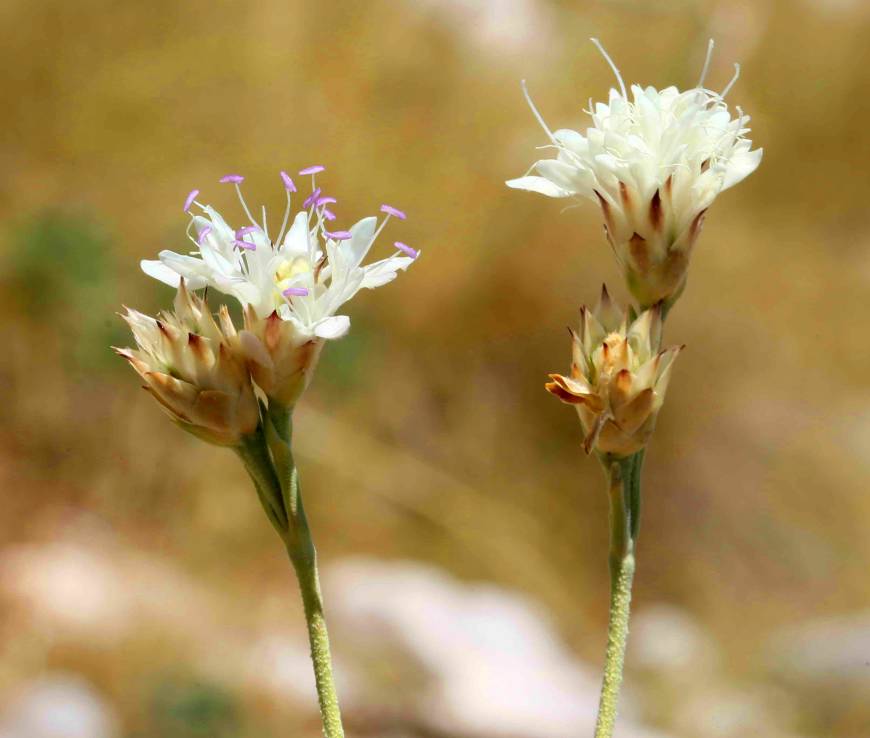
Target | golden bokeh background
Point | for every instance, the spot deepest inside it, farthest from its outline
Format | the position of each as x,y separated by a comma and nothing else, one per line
135,564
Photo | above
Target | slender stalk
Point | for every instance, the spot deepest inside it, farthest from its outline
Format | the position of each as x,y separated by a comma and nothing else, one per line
304,558
624,478
268,456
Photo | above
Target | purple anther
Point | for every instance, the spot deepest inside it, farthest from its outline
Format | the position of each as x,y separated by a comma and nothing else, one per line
325,201
312,198
232,178
328,214
390,210
403,247
288,183
245,245
245,230
339,235
190,198
202,234
295,292
311,170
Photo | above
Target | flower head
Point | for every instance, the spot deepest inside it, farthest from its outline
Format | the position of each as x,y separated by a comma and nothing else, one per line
654,162
193,367
305,275
618,377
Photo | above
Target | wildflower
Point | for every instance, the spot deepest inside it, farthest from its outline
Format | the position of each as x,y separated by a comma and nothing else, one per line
618,377
304,275
654,162
193,367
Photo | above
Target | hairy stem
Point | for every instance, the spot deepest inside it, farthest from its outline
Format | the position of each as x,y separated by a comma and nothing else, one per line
304,558
624,476
303,555
268,457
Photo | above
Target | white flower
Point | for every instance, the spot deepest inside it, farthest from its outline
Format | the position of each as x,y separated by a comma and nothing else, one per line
654,163
305,275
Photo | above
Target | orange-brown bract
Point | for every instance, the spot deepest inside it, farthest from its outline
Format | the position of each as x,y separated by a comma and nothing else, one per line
618,377
192,365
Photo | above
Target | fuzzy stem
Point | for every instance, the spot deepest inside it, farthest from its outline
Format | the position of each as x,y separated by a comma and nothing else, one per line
268,457
624,477
303,556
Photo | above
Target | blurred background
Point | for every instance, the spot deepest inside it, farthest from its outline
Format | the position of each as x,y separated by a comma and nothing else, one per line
462,531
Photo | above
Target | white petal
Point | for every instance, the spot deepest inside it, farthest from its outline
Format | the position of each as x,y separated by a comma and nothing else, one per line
296,240
218,224
360,242
160,271
541,185
742,164
384,271
572,140
334,327
188,267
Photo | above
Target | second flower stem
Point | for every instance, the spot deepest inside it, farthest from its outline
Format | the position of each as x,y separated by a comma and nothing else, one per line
624,478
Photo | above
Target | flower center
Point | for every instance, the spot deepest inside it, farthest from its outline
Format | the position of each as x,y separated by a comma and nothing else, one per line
288,271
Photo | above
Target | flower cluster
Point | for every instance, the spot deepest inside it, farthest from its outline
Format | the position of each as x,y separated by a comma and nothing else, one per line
305,275
618,377
653,161
208,374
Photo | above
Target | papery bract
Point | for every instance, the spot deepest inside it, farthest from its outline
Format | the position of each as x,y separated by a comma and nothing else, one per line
618,377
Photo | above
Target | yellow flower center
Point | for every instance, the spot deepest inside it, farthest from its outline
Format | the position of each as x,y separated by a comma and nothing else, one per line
285,275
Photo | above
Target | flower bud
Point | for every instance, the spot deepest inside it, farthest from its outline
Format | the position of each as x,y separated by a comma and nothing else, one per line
194,369
618,377
280,357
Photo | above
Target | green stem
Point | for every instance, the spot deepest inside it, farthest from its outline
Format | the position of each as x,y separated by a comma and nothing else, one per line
268,457
255,456
624,477
303,555
304,558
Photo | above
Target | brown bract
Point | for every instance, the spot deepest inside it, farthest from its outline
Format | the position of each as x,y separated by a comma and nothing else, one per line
192,365
281,360
618,377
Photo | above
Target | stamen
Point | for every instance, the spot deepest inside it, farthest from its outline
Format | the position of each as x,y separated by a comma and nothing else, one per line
390,210
312,198
710,45
265,226
295,292
403,247
190,198
731,83
328,214
244,231
311,170
338,235
324,201
535,112
202,235
245,245
231,178
288,183
242,200
279,240
612,66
